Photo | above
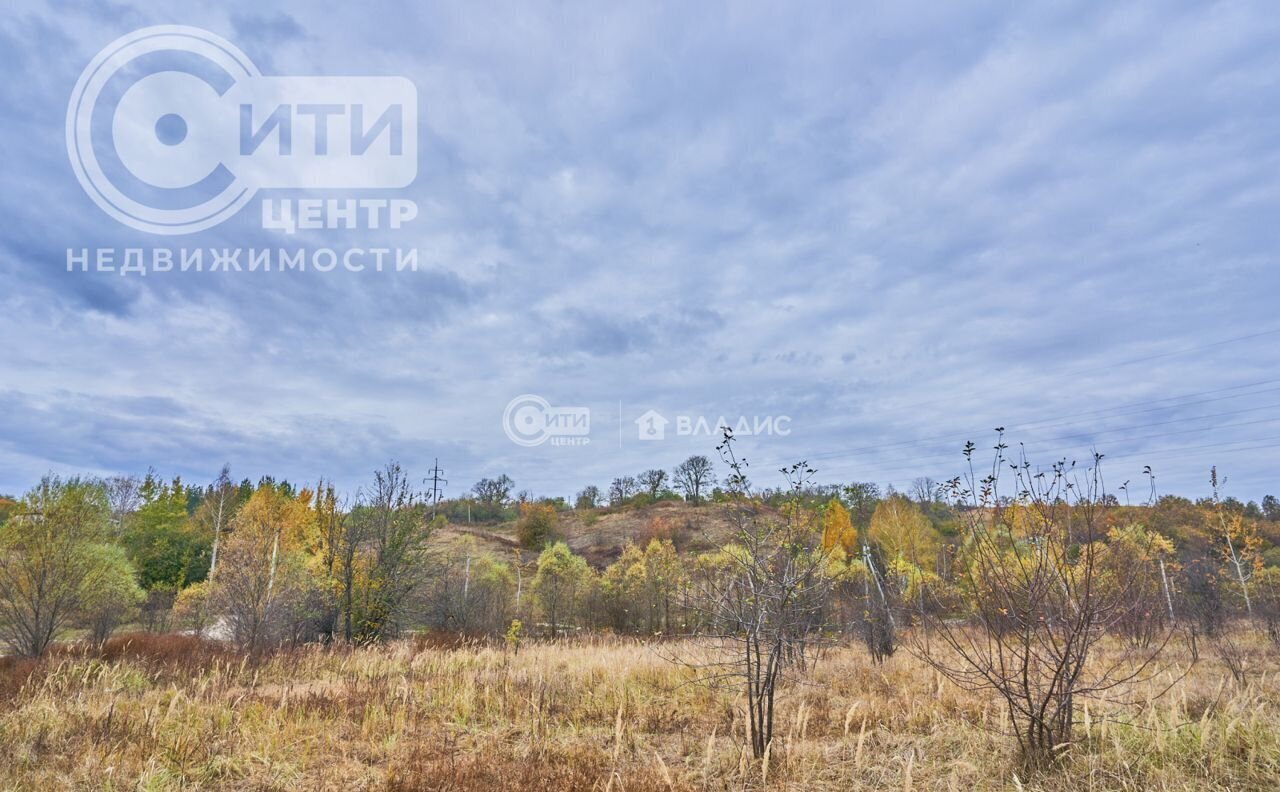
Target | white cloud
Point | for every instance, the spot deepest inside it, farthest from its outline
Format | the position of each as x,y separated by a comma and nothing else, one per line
916,223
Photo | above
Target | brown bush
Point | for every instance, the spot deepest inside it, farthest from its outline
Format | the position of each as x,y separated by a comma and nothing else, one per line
16,672
656,527
177,651
449,641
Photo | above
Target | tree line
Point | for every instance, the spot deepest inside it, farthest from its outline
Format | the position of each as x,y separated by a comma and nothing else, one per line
1016,579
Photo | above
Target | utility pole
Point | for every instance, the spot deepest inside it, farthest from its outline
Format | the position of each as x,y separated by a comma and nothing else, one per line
437,480
519,580
1168,598
875,575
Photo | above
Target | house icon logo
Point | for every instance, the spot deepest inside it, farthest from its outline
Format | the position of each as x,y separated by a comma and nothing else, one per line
652,426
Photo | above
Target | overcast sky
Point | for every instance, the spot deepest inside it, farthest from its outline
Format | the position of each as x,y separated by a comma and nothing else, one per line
899,228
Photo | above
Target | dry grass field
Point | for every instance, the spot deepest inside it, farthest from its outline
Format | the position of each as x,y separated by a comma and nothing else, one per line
168,712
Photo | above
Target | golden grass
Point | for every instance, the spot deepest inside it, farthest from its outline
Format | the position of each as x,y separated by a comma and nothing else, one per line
597,714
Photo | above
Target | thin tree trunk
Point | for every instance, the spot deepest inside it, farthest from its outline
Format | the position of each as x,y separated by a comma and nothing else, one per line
1168,598
1244,586
271,575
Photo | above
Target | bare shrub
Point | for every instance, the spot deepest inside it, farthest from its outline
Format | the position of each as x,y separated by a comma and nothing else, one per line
1231,652
1039,601
765,602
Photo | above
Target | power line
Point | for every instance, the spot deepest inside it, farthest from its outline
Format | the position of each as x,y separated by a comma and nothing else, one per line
856,451
437,479
1145,454
1055,422
1108,366
1175,352
1185,449
1122,440
1069,418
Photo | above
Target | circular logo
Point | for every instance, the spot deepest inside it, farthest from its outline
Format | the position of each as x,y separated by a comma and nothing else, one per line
148,132
525,420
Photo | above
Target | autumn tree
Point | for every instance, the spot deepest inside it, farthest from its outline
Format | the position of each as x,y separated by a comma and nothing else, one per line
589,498
560,584
215,512
693,477
1149,612
494,491
51,561
903,549
652,481
862,497
325,544
641,587
488,594
864,598
837,529
925,491
1270,508
536,524
901,530
620,583
115,595
264,586
621,489
1238,542
123,499
393,529
663,579
191,607
1267,585
471,590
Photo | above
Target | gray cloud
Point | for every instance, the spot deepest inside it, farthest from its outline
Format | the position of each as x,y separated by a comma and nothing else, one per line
923,222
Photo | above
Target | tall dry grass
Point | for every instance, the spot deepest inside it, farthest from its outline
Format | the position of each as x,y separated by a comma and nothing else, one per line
161,713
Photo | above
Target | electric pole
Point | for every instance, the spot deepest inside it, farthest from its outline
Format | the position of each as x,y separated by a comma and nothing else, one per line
438,481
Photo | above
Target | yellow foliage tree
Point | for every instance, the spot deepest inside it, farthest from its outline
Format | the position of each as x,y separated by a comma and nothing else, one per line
837,528
902,531
1241,549
266,566
1238,542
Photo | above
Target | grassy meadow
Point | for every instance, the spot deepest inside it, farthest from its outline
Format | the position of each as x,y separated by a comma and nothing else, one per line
170,712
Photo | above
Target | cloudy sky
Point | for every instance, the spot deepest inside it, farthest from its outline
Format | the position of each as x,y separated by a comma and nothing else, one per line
898,227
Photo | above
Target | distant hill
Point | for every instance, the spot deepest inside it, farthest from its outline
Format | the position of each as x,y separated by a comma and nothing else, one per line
599,535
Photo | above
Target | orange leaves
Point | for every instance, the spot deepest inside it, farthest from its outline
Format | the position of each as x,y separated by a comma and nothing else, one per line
270,513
